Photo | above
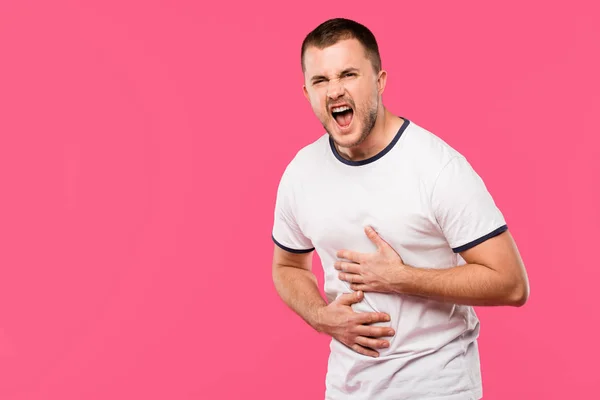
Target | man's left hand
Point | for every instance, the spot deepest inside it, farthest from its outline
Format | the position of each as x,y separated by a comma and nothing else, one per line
381,271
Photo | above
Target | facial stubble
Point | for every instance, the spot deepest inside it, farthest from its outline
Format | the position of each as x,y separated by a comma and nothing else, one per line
368,122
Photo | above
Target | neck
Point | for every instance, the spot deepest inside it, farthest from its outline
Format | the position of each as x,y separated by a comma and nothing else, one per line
381,135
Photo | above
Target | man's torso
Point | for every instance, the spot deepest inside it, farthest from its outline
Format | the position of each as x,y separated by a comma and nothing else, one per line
434,349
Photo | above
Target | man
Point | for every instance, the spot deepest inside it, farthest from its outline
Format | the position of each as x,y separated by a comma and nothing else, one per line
408,236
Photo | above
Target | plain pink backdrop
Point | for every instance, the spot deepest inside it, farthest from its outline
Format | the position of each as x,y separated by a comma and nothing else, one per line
141,146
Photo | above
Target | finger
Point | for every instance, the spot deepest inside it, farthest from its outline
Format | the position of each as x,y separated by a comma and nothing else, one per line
374,331
360,286
352,278
350,298
347,267
372,343
375,238
371,318
349,255
364,351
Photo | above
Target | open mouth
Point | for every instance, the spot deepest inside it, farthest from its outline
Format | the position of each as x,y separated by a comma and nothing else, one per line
342,115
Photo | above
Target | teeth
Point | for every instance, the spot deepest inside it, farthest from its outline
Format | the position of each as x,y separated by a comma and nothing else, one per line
340,109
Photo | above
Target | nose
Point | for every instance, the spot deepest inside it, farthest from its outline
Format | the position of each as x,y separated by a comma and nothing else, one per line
335,89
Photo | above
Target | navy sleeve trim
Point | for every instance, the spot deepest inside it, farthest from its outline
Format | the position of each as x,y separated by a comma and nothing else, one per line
482,239
295,251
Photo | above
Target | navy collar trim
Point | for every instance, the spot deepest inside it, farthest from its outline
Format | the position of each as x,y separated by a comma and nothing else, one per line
377,156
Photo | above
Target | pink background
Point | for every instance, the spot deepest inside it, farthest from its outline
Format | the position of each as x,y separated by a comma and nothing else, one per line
141,146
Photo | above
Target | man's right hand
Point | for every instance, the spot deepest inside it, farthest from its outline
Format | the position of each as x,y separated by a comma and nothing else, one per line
341,322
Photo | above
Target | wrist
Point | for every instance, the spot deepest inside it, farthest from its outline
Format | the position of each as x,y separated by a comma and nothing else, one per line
403,279
316,321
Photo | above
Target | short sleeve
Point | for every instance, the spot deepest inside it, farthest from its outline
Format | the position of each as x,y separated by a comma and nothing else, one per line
286,231
463,207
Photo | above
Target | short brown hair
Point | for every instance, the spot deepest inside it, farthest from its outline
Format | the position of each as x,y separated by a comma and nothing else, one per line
333,30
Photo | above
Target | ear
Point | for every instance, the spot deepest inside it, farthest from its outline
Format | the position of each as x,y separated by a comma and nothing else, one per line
381,81
305,91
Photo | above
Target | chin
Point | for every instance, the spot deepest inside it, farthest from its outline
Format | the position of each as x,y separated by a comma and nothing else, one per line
345,139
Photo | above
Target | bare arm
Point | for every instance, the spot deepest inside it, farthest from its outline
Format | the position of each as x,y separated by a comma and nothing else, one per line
493,276
297,285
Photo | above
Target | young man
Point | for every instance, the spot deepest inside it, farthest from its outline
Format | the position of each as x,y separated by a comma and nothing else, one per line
408,236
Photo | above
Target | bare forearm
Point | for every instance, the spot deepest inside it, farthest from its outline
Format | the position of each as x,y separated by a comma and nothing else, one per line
298,288
469,284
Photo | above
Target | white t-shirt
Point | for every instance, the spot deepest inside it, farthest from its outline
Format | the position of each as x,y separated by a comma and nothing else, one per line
428,203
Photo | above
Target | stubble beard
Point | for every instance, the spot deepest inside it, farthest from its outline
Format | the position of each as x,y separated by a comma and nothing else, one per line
368,122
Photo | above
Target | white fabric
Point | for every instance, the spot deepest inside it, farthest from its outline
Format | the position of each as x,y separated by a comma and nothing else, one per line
428,203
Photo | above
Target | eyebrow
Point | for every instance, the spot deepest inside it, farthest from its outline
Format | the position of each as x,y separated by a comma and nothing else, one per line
345,71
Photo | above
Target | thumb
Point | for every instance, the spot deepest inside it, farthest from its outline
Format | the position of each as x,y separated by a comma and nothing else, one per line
350,298
374,237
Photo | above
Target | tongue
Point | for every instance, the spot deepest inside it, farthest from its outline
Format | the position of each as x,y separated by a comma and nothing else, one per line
344,119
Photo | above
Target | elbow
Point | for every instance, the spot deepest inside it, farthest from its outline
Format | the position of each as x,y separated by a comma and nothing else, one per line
519,295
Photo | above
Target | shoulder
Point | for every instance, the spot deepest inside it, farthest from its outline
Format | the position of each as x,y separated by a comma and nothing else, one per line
428,152
307,159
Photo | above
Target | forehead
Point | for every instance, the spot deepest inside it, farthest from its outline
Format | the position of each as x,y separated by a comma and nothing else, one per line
330,60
